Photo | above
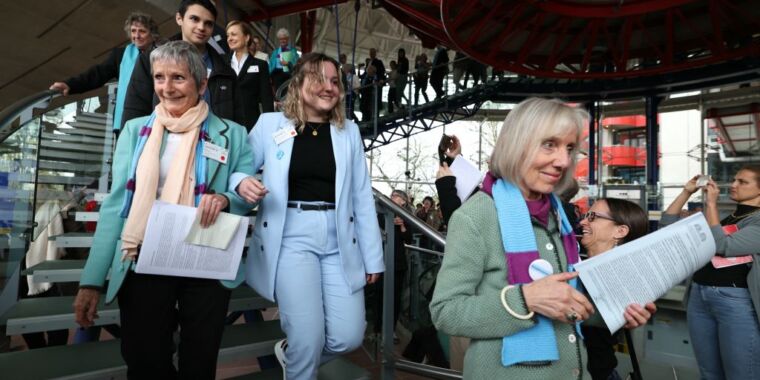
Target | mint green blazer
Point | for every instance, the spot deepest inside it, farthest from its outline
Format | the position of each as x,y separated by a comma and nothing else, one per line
105,253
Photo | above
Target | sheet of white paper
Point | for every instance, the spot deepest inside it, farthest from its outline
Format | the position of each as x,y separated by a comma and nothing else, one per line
468,177
645,269
164,251
217,235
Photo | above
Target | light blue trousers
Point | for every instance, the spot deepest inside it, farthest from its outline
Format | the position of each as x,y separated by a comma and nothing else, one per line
319,314
724,332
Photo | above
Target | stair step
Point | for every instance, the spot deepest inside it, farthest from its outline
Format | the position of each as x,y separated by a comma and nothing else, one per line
83,123
73,240
337,369
55,271
72,146
83,132
70,138
62,155
53,313
102,360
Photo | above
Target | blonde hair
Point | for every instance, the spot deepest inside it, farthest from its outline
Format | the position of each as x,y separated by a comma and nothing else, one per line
245,28
311,66
527,125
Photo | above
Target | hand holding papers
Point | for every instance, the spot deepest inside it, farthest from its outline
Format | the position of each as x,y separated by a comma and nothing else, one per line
166,252
468,177
645,269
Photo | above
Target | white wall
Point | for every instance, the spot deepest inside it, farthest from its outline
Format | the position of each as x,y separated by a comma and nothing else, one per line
679,138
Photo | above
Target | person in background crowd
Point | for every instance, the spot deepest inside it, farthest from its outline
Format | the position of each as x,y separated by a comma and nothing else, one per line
370,88
401,236
445,182
392,83
142,32
610,222
283,60
484,290
379,65
258,50
403,76
428,214
253,93
439,70
461,63
316,236
152,306
723,307
196,19
351,86
421,68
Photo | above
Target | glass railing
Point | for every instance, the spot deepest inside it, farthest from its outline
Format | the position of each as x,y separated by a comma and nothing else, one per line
55,153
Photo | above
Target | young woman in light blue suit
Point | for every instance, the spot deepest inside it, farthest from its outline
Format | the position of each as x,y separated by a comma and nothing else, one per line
317,241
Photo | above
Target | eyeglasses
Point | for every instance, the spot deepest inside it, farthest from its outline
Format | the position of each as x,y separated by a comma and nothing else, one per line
591,215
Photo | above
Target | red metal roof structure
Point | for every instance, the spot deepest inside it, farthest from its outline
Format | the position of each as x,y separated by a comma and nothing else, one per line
573,39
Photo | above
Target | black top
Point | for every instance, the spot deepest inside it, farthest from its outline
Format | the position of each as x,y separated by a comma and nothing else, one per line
252,88
98,75
403,66
141,98
312,165
733,276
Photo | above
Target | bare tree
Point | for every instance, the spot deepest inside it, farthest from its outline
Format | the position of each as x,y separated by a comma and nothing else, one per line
489,132
420,164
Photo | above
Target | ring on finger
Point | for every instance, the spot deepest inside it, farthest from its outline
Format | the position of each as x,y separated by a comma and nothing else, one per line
571,316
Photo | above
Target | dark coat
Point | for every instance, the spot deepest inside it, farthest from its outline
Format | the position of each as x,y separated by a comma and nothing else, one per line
97,75
141,97
252,88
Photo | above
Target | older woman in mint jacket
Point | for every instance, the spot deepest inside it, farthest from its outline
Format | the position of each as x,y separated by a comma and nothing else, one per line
317,241
161,157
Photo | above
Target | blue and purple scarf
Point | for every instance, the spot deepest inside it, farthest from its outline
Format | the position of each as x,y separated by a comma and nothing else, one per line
200,164
521,250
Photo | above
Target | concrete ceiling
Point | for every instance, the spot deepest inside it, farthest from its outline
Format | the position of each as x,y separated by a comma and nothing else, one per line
53,40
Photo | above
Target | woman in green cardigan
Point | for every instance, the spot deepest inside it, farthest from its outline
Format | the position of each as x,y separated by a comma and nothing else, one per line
507,279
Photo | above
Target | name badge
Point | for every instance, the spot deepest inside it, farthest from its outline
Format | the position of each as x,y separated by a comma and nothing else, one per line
215,152
253,69
284,134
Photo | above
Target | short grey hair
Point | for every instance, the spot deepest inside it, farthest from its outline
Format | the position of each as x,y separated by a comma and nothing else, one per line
181,52
145,20
527,125
283,33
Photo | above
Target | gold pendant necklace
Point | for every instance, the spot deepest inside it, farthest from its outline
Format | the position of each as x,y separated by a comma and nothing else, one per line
313,130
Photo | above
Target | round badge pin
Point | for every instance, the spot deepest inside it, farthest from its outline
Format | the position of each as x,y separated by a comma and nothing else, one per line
539,269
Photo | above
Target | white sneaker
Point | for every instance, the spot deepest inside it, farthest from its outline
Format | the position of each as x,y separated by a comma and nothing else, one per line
279,351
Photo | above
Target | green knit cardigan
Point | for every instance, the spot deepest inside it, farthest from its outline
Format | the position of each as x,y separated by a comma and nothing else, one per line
467,301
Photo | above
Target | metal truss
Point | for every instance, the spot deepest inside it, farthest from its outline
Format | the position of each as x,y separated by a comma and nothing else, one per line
459,106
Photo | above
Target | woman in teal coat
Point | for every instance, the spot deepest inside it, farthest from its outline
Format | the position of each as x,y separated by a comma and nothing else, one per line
162,157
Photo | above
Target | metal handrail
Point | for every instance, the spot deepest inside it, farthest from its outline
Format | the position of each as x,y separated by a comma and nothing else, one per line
19,108
409,218
423,250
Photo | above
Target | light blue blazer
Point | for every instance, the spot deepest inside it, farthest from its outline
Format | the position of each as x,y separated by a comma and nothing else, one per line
359,240
105,252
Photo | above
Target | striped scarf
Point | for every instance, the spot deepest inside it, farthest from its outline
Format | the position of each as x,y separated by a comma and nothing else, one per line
520,250
181,186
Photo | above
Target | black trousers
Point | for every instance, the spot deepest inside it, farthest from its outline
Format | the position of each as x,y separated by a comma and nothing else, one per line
152,307
279,77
